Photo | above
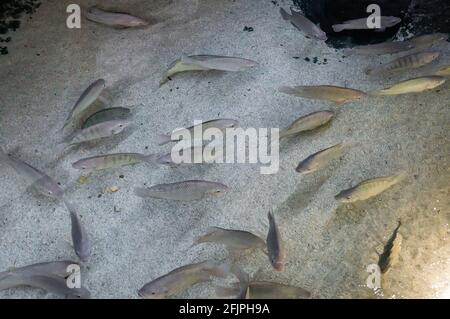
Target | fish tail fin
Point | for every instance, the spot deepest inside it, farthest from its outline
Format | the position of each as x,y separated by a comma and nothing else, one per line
284,14
222,291
105,98
141,192
286,90
338,27
60,147
163,139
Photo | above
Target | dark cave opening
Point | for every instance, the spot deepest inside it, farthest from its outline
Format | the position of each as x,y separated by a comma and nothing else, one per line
418,17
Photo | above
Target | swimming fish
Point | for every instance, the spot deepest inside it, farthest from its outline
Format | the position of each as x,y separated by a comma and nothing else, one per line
380,48
391,251
55,268
207,62
114,19
80,238
307,122
53,284
444,71
244,281
233,239
98,131
416,85
221,124
302,23
275,245
100,162
83,105
266,290
361,24
183,278
109,114
339,95
368,188
422,42
183,191
40,181
408,62
320,159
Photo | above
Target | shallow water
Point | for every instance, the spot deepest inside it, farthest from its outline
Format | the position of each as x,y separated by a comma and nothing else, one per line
329,245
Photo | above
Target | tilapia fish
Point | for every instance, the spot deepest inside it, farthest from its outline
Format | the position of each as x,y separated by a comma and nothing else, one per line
183,191
265,290
275,246
308,122
416,85
444,71
82,108
302,23
53,284
361,24
391,251
368,188
106,115
408,62
115,19
220,124
428,40
98,131
381,48
55,268
339,95
183,278
320,159
100,162
233,239
40,181
207,62
80,238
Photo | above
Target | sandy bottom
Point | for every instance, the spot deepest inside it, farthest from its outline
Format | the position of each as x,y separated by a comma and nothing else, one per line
328,245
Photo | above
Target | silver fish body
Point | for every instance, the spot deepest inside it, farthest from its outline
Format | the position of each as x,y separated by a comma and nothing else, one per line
108,161
220,124
411,61
303,24
275,245
40,181
368,188
428,40
105,115
233,239
308,122
444,71
98,131
361,24
415,85
266,290
80,238
320,159
115,19
207,62
183,191
182,278
339,95
381,48
87,98
53,284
